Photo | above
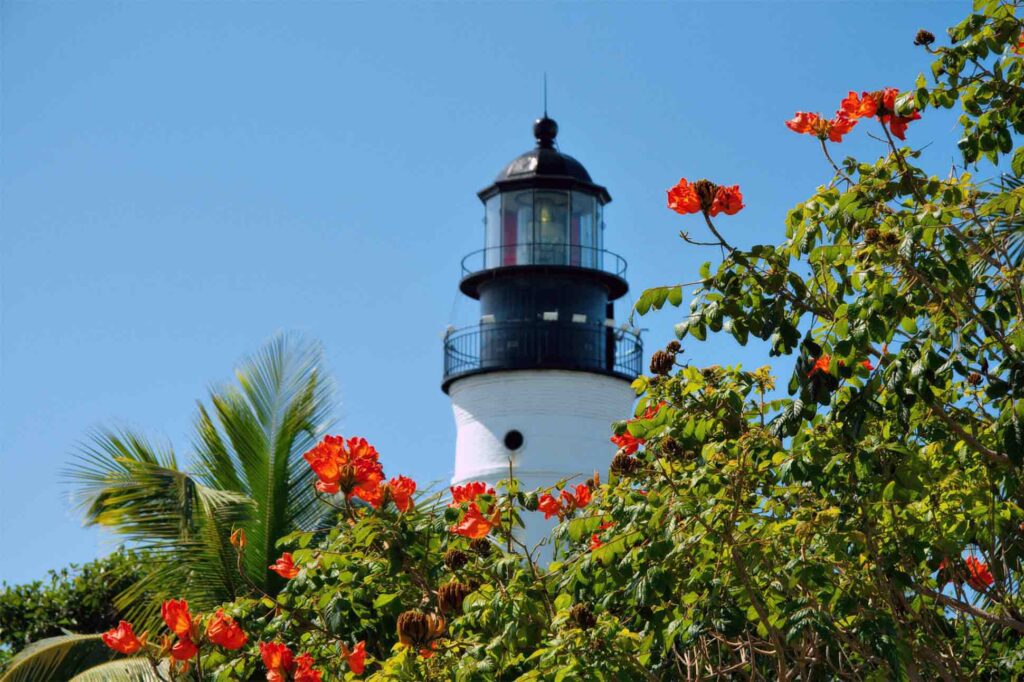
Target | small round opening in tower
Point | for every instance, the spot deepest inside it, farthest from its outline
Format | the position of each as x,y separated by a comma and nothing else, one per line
513,440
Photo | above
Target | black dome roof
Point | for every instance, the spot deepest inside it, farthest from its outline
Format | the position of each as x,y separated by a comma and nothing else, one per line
545,167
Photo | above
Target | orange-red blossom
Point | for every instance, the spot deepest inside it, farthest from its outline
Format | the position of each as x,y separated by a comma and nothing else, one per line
122,639
469,492
175,614
978,575
350,467
474,525
704,196
356,657
823,128
278,659
223,631
285,567
880,104
627,443
565,502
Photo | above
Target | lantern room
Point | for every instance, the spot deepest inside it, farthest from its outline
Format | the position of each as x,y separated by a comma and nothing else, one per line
545,283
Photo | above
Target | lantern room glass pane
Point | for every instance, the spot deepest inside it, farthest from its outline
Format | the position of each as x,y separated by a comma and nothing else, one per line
551,227
492,232
516,227
583,231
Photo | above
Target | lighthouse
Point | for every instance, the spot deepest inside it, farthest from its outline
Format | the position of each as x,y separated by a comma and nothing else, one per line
537,381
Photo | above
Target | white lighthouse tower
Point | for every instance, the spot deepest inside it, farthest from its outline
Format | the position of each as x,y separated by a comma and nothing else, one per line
546,370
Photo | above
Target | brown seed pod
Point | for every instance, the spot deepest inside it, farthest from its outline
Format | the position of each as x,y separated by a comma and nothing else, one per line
706,191
662,362
417,629
924,37
623,464
450,596
454,559
582,617
671,448
481,546
673,347
973,378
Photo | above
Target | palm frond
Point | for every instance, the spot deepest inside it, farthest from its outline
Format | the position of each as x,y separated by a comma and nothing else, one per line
252,439
124,670
248,444
57,658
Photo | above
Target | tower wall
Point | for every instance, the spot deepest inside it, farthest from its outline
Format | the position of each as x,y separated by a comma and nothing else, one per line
564,417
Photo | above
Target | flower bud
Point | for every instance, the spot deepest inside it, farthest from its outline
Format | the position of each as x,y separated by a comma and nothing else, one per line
924,37
238,539
973,378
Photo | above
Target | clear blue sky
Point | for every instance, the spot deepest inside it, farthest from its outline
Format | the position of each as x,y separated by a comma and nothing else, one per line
181,180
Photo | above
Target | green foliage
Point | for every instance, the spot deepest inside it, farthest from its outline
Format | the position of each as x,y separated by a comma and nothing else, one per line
248,473
75,599
869,525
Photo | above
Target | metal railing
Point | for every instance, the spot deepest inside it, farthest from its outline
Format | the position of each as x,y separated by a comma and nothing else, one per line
572,255
542,345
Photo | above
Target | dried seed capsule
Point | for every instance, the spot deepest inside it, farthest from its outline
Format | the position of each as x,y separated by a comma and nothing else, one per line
454,559
582,617
451,595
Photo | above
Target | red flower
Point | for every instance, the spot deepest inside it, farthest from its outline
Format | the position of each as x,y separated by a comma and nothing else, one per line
651,411
372,496
238,539
469,492
683,198
473,525
580,499
854,107
804,122
595,542
304,671
627,443
175,614
898,124
606,525
401,489
285,567
356,657
183,649
978,576
278,660
866,364
122,639
821,364
351,467
728,200
549,505
223,631
813,124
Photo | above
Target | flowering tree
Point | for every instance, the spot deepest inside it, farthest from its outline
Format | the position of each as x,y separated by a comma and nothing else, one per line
869,524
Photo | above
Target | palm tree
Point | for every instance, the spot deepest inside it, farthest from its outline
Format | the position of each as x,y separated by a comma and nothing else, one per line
246,472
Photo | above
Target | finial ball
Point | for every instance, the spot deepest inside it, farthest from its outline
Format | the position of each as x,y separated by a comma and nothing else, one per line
545,129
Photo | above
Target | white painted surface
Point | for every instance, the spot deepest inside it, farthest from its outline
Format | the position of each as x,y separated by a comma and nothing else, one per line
565,418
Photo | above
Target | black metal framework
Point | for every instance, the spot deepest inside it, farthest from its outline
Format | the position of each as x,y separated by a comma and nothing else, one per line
541,344
574,255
